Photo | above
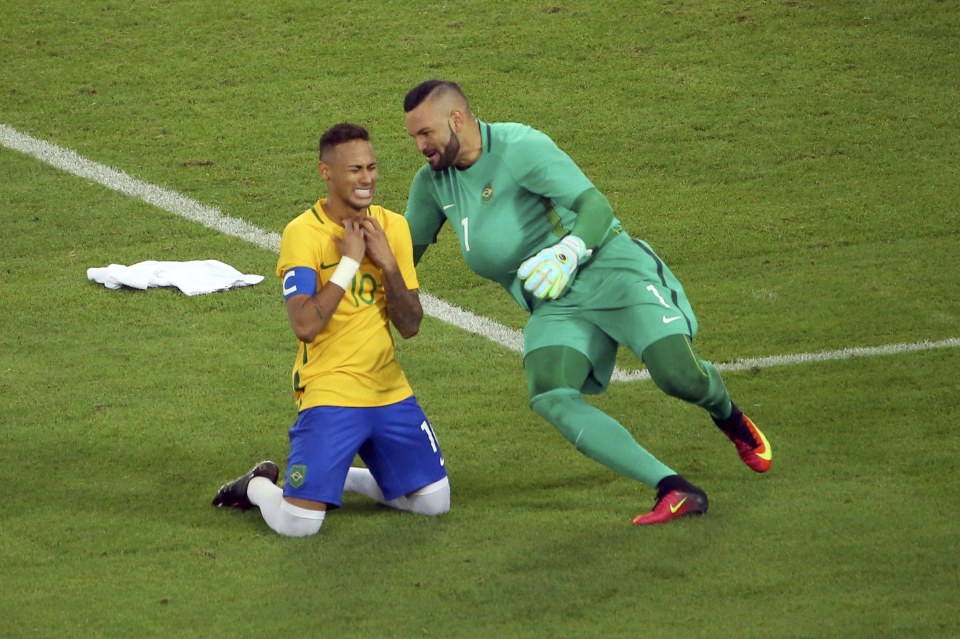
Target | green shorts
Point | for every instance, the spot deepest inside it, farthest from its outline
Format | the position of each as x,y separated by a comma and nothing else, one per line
625,295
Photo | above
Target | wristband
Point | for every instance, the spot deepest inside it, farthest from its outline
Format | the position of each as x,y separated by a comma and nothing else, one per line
345,271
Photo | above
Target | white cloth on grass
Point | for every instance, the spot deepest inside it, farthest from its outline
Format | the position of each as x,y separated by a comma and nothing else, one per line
193,278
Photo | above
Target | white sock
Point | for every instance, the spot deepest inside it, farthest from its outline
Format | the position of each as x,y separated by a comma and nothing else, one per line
284,518
433,499
360,480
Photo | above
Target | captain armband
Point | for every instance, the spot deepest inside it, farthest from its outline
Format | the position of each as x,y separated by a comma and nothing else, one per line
299,280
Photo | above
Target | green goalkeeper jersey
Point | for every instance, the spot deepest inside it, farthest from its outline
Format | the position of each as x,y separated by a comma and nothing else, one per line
512,202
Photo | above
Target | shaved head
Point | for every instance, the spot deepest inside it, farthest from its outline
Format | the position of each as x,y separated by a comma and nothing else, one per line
440,91
439,118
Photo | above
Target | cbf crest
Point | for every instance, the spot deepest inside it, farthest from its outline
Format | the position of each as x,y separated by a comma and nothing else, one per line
297,474
487,193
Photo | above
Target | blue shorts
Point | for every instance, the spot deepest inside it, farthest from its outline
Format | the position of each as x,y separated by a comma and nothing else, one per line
396,442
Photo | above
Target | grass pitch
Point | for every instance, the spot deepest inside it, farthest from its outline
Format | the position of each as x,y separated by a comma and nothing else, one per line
794,162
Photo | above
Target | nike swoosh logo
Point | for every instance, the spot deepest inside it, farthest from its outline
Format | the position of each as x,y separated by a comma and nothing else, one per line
324,267
667,320
675,508
287,291
448,206
766,454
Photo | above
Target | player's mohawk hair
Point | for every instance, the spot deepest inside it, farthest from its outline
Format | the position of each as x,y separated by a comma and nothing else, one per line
422,91
340,133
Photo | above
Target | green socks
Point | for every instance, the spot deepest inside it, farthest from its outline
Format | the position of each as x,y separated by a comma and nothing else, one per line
599,436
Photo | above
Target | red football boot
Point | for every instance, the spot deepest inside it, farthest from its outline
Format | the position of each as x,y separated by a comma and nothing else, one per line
673,502
752,445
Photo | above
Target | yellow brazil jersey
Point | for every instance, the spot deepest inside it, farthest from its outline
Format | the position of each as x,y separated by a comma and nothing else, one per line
352,361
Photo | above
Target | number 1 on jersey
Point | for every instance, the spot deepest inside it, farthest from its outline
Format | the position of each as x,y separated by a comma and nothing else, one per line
466,233
428,431
653,289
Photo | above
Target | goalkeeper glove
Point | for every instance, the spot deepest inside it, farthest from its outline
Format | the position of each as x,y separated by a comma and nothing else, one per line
547,273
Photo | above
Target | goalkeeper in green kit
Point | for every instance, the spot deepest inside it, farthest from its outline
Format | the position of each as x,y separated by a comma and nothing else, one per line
527,217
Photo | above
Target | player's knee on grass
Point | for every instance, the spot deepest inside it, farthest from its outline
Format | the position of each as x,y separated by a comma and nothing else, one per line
294,521
431,500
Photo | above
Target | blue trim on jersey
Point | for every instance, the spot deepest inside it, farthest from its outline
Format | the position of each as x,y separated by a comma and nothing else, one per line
299,280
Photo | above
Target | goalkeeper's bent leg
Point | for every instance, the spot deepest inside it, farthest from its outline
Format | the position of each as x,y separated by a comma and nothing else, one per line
677,370
599,436
554,375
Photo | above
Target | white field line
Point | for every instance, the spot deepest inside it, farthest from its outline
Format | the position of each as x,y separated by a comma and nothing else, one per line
185,207
803,358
